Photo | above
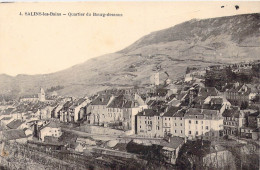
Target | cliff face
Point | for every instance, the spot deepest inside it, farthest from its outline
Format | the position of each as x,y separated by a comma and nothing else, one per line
192,43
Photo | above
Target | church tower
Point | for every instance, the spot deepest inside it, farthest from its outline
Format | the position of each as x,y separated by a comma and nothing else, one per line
155,79
41,95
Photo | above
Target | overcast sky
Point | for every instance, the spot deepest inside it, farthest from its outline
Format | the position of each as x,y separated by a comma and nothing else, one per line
39,45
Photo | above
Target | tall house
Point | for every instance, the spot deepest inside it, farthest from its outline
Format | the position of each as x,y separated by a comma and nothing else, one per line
149,123
41,95
203,123
98,109
234,119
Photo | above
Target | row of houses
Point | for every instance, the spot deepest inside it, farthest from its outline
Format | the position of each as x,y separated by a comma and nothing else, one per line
206,121
107,109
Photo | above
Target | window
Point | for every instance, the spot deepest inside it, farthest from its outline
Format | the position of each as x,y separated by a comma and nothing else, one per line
201,127
189,132
207,128
145,122
196,117
181,131
165,124
189,121
175,124
196,122
181,124
175,131
140,127
197,132
202,122
181,118
165,119
169,118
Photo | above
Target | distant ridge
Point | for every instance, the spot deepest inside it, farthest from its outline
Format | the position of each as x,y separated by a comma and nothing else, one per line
192,43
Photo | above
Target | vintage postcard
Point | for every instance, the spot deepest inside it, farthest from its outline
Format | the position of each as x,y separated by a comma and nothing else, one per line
130,85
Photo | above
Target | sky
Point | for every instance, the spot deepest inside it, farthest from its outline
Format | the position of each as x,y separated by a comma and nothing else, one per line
46,44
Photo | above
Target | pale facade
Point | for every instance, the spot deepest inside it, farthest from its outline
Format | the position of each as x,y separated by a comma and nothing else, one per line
149,124
50,130
202,123
178,128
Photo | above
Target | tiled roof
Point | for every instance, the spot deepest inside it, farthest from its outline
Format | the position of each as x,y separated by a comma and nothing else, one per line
171,97
179,113
208,91
6,118
150,102
174,102
240,89
13,134
14,124
212,107
216,100
7,111
174,142
123,101
202,113
53,125
77,103
117,102
67,104
101,100
171,112
149,112
180,96
161,92
233,112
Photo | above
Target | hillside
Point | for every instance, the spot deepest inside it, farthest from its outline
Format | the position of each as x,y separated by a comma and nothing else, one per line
192,43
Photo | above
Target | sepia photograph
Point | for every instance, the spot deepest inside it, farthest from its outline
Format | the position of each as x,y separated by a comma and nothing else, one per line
158,85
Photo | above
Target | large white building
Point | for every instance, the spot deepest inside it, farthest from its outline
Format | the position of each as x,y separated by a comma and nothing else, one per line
202,123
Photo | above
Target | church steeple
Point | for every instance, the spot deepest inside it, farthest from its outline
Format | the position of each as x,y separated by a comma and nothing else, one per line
41,95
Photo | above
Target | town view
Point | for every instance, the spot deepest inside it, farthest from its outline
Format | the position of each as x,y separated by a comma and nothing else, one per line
207,119
184,97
